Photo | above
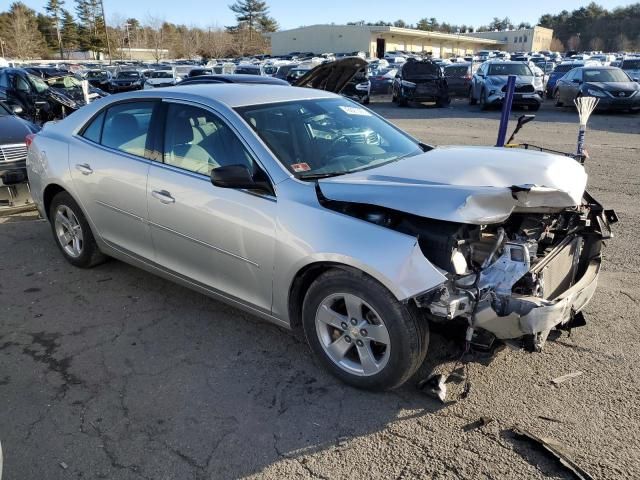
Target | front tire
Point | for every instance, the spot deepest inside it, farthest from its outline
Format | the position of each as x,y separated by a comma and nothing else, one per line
483,100
72,233
558,103
361,333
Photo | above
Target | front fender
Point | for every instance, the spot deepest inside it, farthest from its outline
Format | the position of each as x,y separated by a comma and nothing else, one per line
309,234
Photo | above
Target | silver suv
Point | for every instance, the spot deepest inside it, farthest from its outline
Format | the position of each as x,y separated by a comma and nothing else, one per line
489,84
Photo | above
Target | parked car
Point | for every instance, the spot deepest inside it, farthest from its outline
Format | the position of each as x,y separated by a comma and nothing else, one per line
99,79
282,71
557,73
196,72
359,87
613,88
382,80
71,86
632,67
126,81
38,102
346,76
162,78
489,84
13,149
458,77
233,78
248,69
263,198
420,81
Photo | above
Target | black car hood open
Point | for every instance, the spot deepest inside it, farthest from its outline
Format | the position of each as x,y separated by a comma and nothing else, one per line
332,76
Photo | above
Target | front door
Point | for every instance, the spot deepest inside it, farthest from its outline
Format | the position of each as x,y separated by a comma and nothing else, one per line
223,239
380,47
109,163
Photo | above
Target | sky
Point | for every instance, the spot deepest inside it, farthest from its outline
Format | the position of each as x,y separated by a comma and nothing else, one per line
295,13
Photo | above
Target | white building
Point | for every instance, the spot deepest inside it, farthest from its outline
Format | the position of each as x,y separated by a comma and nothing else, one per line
525,40
375,41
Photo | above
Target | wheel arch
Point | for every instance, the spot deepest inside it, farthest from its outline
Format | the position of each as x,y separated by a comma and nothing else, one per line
49,193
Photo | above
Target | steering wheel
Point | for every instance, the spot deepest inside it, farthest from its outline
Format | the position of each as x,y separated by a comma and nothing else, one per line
334,144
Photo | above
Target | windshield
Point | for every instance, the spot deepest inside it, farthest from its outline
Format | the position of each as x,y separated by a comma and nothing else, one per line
613,75
162,74
509,69
631,64
270,69
38,83
326,137
97,75
128,75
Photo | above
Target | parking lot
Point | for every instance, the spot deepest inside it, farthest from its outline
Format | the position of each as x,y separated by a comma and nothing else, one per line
115,373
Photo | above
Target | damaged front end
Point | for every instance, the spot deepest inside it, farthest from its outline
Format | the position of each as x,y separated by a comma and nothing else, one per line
521,278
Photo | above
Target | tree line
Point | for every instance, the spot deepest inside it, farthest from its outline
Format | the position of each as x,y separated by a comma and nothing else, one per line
57,31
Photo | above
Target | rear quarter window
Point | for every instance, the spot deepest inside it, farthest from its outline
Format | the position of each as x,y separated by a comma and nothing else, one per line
93,131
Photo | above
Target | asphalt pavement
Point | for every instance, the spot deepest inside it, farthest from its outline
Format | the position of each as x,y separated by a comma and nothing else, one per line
114,373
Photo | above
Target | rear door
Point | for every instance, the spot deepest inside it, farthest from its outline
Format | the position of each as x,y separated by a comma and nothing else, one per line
219,238
109,163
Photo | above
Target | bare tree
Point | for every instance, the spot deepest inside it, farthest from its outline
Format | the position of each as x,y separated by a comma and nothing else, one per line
156,36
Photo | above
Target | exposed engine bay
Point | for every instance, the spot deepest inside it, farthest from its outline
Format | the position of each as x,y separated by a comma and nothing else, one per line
522,277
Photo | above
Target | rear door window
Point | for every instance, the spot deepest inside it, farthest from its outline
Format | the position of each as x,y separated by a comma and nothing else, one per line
126,127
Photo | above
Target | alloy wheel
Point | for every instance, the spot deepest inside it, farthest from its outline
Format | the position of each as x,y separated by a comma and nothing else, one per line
352,334
68,231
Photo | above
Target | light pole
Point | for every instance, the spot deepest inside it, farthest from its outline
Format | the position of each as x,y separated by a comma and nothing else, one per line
127,25
106,31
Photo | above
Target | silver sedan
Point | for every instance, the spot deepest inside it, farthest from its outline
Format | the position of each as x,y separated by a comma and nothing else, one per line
306,209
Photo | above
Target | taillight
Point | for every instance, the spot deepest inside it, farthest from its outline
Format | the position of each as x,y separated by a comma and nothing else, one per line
29,139
467,77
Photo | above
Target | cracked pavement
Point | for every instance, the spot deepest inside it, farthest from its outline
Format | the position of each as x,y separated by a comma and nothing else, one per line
114,373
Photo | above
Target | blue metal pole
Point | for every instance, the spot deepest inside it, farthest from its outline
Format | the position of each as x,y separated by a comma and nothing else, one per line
506,110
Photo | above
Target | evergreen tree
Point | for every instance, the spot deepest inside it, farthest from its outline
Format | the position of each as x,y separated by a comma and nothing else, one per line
249,13
69,30
54,9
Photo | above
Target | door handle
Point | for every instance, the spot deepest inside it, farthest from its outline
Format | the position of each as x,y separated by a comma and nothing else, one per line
84,168
164,196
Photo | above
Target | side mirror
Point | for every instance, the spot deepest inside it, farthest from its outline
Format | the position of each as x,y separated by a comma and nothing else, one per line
233,176
636,79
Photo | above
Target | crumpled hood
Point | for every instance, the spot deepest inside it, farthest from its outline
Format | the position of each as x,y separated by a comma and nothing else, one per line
475,185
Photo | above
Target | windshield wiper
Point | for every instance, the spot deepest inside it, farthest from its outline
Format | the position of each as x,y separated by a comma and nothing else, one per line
315,176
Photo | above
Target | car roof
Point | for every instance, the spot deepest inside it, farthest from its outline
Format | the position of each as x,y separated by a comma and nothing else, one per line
242,94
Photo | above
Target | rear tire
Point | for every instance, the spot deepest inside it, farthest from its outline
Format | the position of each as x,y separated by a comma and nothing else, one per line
343,310
443,102
72,232
472,100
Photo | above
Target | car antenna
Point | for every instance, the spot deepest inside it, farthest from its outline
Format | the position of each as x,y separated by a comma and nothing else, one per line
522,120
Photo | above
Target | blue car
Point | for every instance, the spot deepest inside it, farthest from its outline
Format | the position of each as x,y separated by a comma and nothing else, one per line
558,73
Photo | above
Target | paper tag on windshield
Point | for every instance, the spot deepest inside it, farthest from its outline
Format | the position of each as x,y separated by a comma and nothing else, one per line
300,167
355,111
